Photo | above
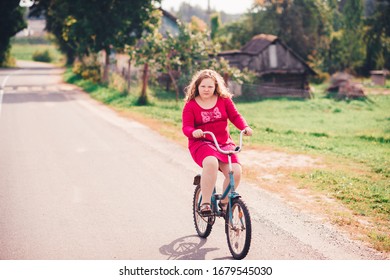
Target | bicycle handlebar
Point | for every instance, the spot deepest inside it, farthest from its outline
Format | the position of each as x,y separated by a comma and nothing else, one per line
235,151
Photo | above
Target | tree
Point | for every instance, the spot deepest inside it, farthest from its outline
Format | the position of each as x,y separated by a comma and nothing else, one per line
215,23
56,14
235,35
299,23
87,27
11,22
345,49
181,56
198,24
352,39
328,34
377,38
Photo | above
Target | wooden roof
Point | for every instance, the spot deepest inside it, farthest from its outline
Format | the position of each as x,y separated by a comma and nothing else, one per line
255,46
258,43
168,15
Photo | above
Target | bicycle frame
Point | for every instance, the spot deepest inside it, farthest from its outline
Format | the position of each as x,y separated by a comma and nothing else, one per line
230,192
238,225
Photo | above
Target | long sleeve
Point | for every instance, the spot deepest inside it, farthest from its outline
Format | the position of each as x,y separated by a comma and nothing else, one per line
188,120
234,116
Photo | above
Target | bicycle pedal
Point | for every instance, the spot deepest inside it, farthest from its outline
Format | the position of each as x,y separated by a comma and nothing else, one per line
206,215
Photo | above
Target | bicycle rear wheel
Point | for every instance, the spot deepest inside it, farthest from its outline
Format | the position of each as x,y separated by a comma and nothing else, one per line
203,225
238,229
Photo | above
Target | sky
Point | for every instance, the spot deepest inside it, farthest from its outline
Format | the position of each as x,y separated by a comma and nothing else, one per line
228,6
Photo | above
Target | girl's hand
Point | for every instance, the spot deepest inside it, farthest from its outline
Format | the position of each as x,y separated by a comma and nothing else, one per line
197,133
248,131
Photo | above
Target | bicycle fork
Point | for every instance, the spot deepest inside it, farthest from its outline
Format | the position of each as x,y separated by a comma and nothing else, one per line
232,195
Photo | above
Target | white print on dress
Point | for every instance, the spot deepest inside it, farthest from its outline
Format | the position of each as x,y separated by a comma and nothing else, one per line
211,116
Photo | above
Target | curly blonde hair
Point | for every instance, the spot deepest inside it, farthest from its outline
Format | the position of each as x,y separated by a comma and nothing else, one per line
220,87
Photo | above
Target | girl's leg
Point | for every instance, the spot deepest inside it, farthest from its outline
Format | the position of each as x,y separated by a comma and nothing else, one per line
237,170
209,178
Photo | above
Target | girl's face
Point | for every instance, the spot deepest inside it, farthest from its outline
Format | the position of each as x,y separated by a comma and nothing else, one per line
206,88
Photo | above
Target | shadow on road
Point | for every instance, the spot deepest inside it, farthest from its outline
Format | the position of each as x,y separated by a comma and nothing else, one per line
31,96
45,95
186,248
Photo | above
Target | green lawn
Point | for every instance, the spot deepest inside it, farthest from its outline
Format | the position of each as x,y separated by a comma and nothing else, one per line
359,130
24,48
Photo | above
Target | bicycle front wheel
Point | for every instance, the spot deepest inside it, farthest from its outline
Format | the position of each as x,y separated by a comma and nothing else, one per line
238,228
203,225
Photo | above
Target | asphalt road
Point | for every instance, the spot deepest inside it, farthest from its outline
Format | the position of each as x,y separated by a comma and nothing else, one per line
78,181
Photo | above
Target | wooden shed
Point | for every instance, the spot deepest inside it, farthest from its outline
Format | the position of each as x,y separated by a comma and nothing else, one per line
169,23
280,70
378,77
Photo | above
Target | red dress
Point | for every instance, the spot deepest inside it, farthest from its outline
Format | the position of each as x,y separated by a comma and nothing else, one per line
214,120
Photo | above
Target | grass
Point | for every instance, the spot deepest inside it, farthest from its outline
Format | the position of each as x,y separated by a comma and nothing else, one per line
356,130
24,49
353,137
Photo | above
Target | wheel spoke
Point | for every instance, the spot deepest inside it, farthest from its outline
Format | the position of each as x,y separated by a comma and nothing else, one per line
238,229
203,225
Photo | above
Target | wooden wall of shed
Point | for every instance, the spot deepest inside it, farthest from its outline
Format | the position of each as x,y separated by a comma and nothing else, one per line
260,63
256,91
298,81
235,60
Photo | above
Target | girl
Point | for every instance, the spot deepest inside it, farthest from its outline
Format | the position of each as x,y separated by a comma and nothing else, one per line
208,107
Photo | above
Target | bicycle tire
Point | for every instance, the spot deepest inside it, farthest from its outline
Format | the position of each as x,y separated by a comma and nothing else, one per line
239,234
203,225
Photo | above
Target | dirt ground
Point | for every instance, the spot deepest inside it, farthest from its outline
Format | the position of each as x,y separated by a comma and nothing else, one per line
377,91
273,170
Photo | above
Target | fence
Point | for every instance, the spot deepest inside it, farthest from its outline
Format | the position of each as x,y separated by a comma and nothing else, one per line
258,91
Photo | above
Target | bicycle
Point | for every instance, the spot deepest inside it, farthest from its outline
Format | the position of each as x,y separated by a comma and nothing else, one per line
238,226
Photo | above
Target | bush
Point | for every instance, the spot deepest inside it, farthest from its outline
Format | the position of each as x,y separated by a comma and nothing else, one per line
88,69
42,56
7,60
320,78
